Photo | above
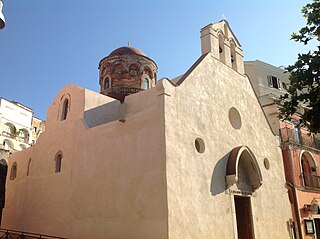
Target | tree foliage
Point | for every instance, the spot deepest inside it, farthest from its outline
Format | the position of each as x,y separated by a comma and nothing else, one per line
304,88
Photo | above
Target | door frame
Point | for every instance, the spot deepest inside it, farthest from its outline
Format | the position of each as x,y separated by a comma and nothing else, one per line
234,216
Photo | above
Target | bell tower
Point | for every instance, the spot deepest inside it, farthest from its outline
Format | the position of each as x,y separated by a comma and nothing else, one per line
220,41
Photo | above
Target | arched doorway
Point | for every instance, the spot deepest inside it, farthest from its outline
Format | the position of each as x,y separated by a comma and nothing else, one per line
3,176
243,176
309,170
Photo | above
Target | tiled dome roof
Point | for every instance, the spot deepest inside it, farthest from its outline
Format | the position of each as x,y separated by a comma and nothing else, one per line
126,50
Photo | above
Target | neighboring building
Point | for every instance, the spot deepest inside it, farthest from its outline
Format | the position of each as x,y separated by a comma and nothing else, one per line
37,126
16,124
300,149
188,158
267,79
19,129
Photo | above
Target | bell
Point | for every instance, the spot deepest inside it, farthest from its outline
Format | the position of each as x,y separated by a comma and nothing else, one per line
2,21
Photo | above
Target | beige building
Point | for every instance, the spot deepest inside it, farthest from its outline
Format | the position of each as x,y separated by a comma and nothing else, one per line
269,83
37,127
189,158
267,79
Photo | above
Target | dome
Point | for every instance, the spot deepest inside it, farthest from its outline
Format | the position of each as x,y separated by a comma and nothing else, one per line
126,50
126,71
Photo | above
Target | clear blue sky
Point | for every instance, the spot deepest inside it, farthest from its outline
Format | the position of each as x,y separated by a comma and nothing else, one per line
48,44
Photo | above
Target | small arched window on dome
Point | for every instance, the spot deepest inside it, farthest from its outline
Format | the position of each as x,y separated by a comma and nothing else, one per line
13,172
106,83
58,162
145,84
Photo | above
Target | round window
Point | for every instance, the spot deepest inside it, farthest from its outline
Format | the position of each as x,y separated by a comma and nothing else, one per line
266,163
235,118
199,144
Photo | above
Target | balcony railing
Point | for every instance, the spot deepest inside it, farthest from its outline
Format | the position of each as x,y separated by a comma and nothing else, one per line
5,133
23,139
311,181
6,233
298,137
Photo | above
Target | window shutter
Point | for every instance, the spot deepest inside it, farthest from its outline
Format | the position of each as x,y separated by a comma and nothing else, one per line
279,85
269,80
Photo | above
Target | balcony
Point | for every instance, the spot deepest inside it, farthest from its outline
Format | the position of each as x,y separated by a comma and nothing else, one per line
311,181
7,134
23,139
293,136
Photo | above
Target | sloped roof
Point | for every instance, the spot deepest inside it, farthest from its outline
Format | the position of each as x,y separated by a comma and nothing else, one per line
188,72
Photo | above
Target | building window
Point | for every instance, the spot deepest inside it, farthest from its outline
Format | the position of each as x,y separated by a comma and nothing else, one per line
7,144
274,82
199,145
35,129
58,162
9,130
13,173
22,147
65,109
23,135
145,85
106,83
309,171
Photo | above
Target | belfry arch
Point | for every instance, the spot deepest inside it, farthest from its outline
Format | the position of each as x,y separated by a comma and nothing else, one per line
243,170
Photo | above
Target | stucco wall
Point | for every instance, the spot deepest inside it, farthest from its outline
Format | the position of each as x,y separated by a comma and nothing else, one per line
112,180
199,206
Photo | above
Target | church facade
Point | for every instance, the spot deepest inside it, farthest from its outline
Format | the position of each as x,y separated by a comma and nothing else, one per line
192,157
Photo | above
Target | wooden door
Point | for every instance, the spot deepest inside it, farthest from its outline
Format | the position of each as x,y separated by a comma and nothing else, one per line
306,172
244,217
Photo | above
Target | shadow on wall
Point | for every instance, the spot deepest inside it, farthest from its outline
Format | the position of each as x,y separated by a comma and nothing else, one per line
218,179
103,114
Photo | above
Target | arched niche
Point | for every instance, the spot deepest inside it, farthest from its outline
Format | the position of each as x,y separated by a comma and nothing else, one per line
243,170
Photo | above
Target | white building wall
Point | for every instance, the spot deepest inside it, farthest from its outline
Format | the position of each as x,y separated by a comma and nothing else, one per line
18,116
198,202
